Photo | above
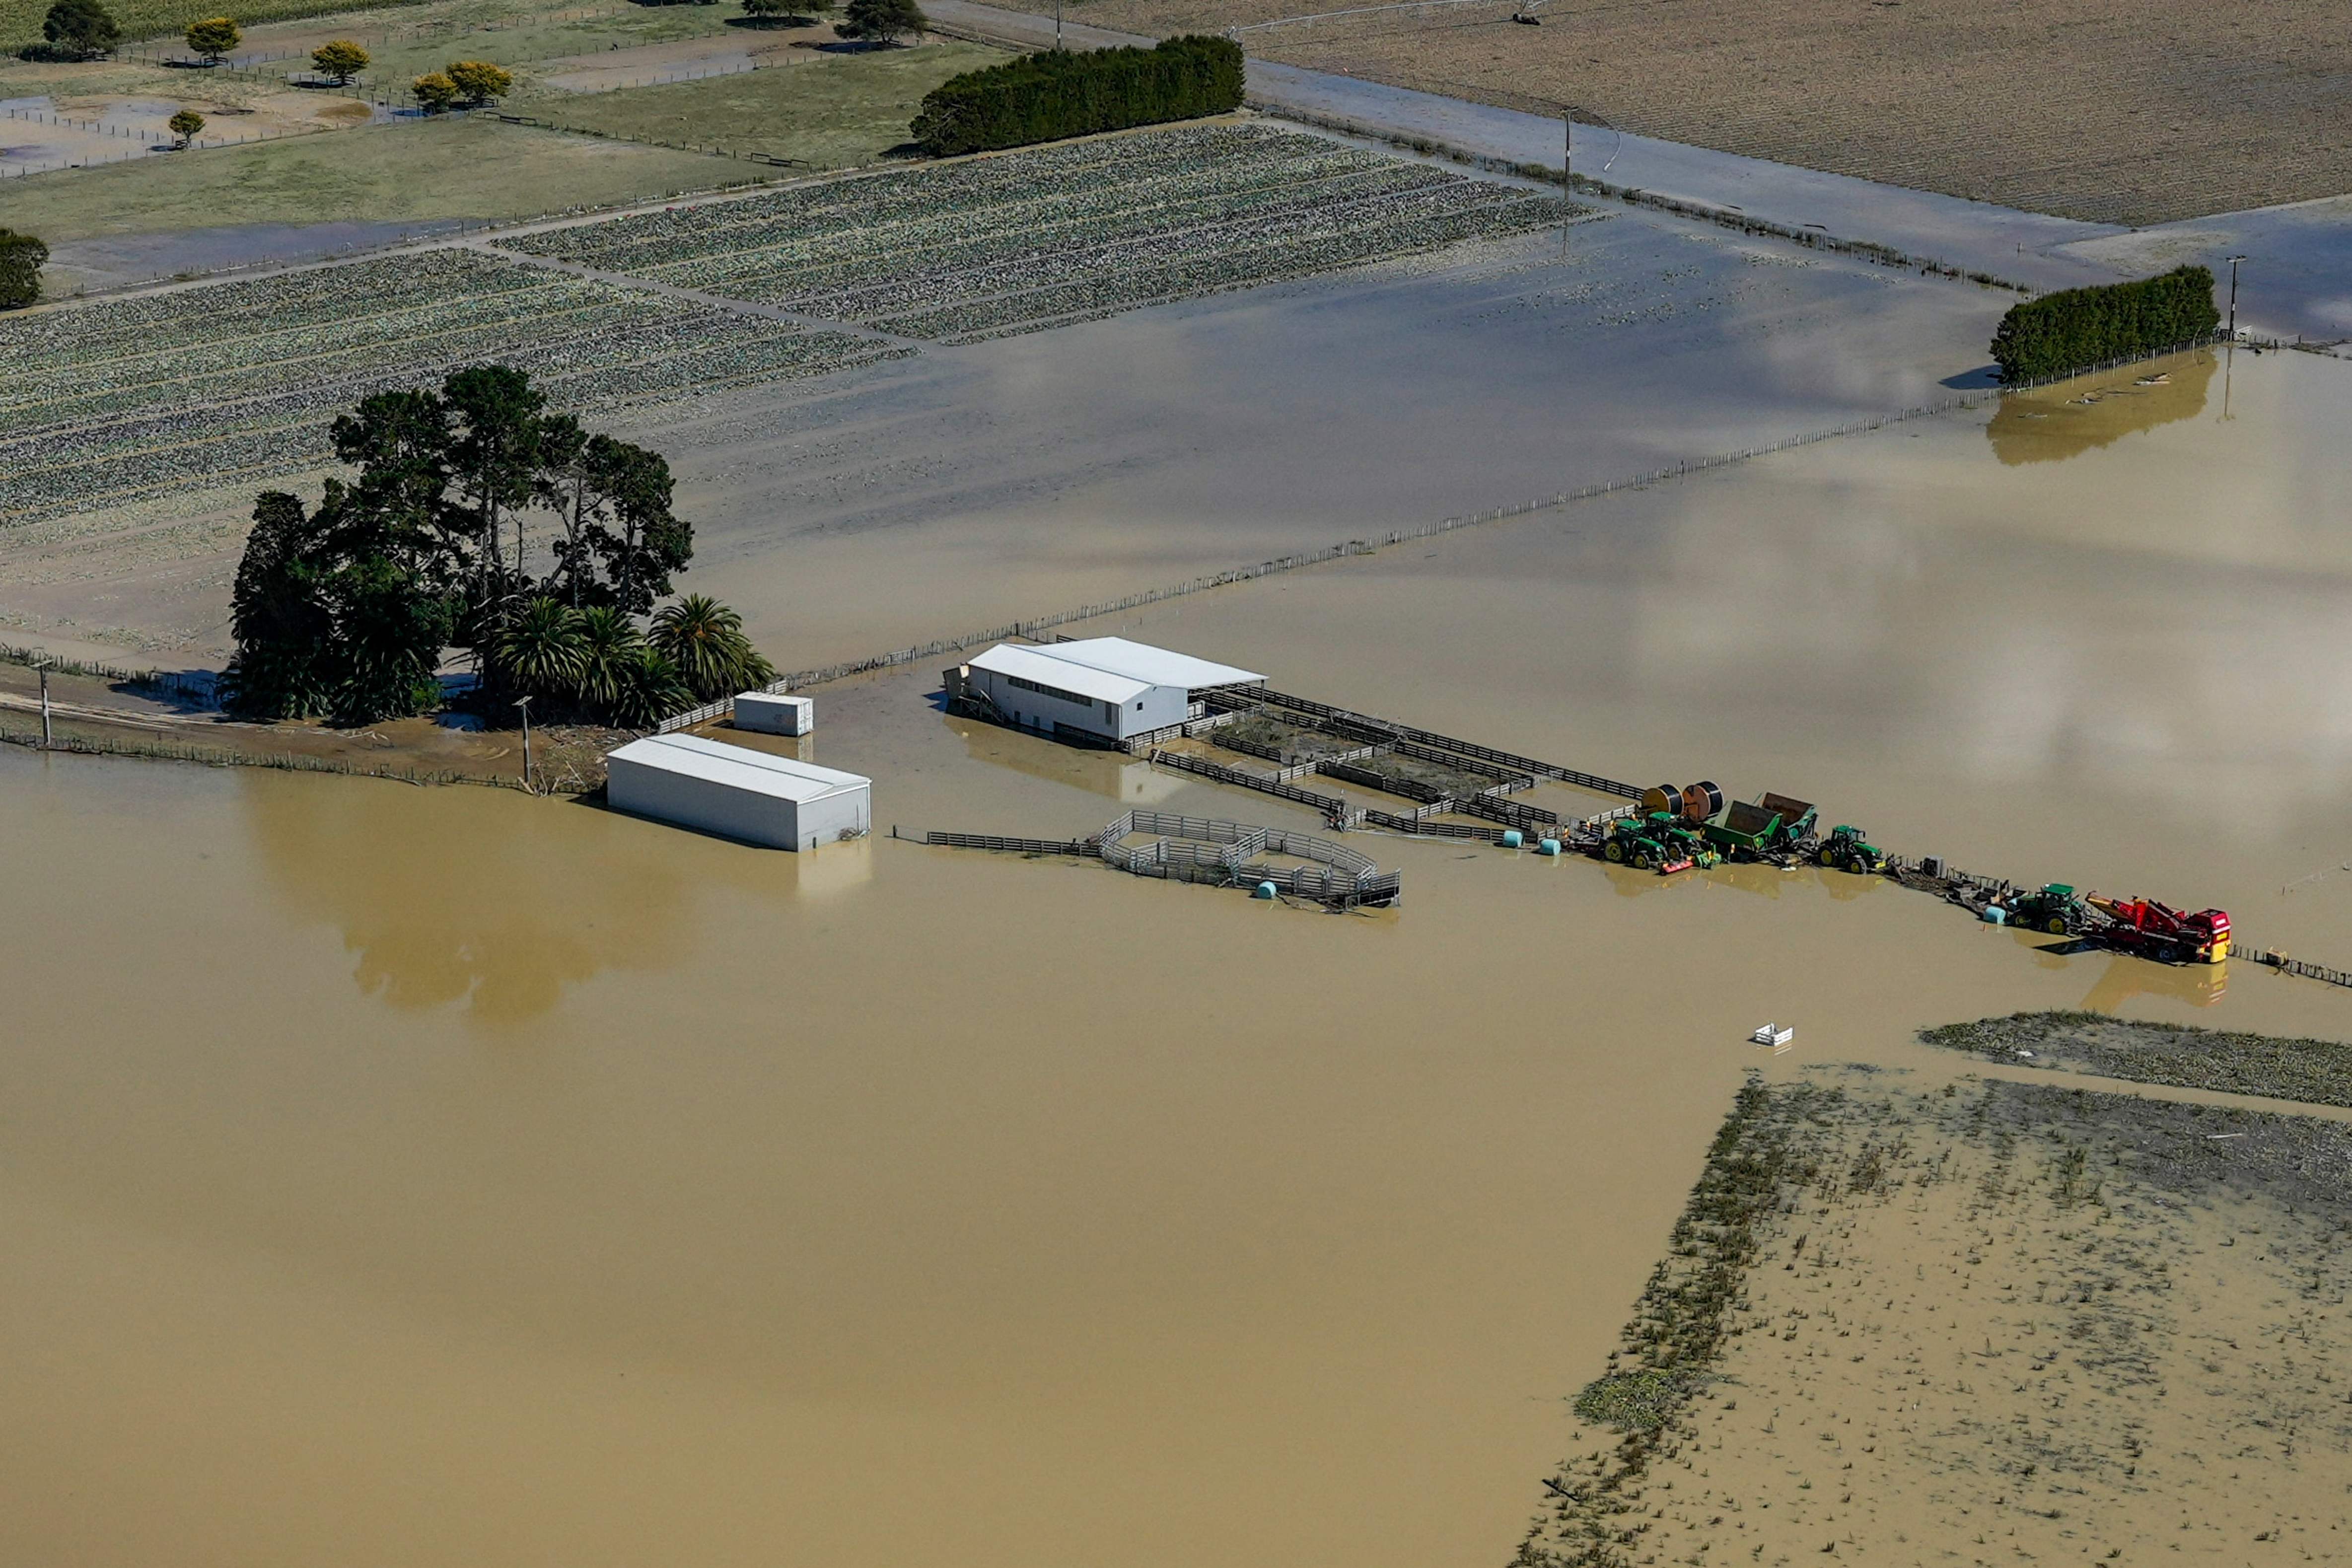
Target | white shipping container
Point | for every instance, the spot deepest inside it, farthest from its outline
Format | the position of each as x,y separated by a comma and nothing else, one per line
769,714
737,793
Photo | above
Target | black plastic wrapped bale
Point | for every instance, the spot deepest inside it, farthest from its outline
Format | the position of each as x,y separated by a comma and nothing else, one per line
1701,801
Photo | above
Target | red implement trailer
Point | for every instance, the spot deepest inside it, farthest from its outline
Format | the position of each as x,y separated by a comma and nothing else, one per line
2151,930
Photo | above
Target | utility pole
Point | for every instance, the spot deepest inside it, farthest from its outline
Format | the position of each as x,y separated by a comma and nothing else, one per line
47,741
524,703
2234,294
1057,24
1566,173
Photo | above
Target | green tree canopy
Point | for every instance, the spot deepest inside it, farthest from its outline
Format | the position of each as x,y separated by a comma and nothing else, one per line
883,21
780,10
185,124
479,82
83,28
343,612
704,640
1080,92
2076,329
21,259
340,59
326,622
213,38
433,92
541,652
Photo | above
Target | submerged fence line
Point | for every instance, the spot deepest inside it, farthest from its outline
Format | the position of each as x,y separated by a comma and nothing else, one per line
226,757
1031,626
197,684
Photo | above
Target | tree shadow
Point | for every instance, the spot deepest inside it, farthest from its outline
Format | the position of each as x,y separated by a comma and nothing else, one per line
181,691
773,24
1971,380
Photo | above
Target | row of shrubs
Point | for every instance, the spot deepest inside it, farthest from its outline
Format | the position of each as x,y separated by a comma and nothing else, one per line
2077,327
1045,97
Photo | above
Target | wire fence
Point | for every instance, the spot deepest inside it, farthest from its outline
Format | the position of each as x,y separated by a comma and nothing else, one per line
1812,239
1031,627
149,142
231,757
194,685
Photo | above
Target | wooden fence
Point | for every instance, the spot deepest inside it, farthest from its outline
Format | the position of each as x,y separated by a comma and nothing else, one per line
1016,845
1330,805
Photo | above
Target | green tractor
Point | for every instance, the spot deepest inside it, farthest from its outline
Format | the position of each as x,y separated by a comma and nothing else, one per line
1846,849
1658,841
2056,909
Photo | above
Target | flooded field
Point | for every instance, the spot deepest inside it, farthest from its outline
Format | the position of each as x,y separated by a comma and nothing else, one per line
967,485
436,1176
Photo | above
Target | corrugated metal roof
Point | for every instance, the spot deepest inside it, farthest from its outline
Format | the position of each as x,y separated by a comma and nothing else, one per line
1031,663
1141,661
740,766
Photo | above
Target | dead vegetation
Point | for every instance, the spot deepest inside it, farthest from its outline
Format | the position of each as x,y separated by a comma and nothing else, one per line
2178,1055
2005,1320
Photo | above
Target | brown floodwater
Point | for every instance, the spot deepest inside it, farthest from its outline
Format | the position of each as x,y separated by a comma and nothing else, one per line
418,1176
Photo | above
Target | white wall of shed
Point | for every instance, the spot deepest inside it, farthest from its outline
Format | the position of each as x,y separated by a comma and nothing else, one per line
685,801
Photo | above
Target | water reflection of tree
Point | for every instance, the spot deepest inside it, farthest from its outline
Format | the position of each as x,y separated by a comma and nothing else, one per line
2053,424
475,895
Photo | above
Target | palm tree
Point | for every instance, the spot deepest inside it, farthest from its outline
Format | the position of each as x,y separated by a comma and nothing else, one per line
541,651
651,691
610,649
704,639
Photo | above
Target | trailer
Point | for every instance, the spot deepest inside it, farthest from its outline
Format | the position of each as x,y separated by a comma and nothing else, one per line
1772,828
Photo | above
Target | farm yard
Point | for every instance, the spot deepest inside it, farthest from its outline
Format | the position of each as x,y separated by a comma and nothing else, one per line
196,387
1014,244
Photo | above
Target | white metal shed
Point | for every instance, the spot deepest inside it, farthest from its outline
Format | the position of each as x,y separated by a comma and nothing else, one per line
738,792
1107,688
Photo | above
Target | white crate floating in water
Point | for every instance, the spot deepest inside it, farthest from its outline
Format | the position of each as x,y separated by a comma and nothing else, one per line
1774,1036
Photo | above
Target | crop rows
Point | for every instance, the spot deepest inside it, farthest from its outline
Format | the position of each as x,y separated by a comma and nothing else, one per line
196,387
1027,239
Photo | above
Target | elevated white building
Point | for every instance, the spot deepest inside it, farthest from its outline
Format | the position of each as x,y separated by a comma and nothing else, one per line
1105,689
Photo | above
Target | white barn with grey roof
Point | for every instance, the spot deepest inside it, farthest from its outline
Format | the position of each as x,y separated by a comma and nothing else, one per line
1106,689
738,792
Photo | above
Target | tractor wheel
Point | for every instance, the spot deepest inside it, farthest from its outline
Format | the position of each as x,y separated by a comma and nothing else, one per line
1642,861
1615,851
1827,855
2056,925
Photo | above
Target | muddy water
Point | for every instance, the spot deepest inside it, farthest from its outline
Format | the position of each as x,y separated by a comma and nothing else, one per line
420,1177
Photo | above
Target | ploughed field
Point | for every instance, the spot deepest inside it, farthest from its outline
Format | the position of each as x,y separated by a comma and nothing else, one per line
993,246
2132,114
139,396
122,400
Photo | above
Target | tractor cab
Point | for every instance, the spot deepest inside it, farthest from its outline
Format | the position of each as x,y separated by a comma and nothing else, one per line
1846,849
